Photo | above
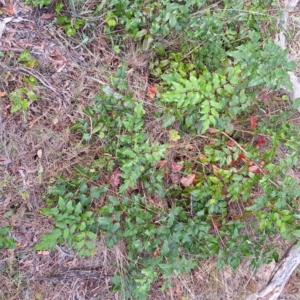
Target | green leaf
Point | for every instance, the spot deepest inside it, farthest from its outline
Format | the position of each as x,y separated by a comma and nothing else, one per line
66,233
229,88
50,211
168,120
79,237
90,245
61,204
57,190
91,235
79,245
78,209
296,233
104,221
69,207
96,192
296,103
10,243
86,215
82,226
5,230
44,244
174,136
72,229
24,56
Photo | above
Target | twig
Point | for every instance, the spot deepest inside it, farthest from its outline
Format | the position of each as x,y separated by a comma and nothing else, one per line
28,71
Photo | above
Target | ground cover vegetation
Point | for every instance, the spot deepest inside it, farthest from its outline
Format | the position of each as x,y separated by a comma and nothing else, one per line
189,165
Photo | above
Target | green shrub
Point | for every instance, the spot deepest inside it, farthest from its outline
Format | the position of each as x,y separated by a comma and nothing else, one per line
208,91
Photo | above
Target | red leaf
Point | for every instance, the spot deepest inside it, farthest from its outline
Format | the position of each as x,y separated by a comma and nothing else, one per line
260,141
151,89
265,96
217,224
254,169
176,167
115,178
253,121
242,156
188,180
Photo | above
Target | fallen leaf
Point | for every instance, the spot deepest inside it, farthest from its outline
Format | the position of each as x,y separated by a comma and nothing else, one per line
175,178
174,136
43,252
253,122
161,163
236,217
265,96
47,16
3,24
231,143
115,178
151,91
9,9
260,141
254,169
189,147
212,130
39,153
188,180
176,167
2,93
156,252
242,156
216,224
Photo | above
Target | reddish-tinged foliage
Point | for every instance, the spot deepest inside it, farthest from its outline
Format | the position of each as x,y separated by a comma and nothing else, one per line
260,141
254,169
161,163
115,178
176,167
265,96
175,178
253,122
242,156
216,224
212,130
188,180
151,89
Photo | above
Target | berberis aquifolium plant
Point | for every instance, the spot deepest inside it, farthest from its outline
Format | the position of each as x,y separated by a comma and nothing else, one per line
208,181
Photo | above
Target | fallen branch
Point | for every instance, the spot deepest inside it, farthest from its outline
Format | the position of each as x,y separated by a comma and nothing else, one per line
280,275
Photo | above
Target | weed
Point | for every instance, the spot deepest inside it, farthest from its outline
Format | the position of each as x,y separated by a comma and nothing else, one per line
5,240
